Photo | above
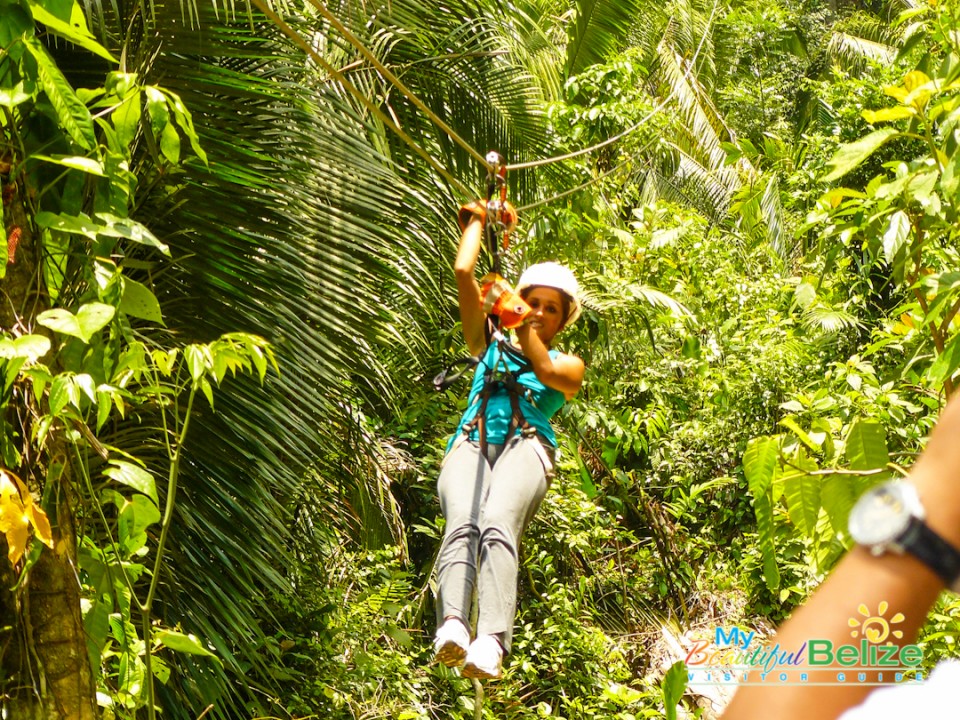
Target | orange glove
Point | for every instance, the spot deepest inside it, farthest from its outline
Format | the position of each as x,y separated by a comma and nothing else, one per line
498,298
478,208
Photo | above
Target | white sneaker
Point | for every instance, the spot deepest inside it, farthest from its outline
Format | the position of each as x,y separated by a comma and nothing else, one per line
484,657
451,642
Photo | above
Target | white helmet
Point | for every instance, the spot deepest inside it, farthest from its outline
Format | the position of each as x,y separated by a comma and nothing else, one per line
556,276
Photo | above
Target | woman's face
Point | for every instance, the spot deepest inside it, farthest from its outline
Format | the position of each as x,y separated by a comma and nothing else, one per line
547,317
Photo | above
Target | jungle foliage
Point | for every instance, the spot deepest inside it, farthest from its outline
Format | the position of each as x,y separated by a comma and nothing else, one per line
229,281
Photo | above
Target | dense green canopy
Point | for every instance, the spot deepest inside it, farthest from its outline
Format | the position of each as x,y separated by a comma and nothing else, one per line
759,199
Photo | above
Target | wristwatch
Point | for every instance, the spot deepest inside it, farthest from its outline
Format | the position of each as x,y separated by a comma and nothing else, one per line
890,518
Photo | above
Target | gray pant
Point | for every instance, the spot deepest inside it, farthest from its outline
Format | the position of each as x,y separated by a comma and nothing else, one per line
487,503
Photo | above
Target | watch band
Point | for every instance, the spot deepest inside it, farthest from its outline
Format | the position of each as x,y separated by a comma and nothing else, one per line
932,550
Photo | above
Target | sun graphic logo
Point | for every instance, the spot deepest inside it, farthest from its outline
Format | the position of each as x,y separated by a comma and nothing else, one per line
875,628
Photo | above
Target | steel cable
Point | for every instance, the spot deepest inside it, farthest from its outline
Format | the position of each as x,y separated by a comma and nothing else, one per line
352,89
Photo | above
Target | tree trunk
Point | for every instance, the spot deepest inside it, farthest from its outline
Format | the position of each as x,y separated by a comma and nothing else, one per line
45,665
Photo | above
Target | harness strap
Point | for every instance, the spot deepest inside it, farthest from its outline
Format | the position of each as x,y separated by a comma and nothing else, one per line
513,388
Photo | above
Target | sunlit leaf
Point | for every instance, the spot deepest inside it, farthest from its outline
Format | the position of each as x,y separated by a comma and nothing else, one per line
852,154
180,642
896,235
132,476
139,301
898,112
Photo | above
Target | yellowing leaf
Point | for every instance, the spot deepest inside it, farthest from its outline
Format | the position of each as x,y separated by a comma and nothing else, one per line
17,540
896,92
888,114
41,524
915,79
17,513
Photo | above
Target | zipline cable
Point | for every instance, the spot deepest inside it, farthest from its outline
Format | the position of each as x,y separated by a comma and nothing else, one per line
636,126
352,89
452,134
395,81
579,187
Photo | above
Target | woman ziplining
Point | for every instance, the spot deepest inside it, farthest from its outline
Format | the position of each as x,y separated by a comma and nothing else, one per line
499,462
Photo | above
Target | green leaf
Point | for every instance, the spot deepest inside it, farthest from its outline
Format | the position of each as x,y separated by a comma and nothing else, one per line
29,347
866,447
946,363
104,406
802,492
157,109
759,466
96,626
59,393
73,115
197,361
805,295
601,28
852,154
185,121
93,317
838,495
170,144
61,321
896,234
77,32
137,514
673,686
133,476
132,230
139,301
74,162
179,642
72,224
791,424
126,119
15,23
10,97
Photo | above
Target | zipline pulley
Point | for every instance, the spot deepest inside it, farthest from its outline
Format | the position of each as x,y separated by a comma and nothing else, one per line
496,226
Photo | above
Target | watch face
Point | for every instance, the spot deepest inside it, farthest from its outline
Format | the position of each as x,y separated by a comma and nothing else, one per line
882,514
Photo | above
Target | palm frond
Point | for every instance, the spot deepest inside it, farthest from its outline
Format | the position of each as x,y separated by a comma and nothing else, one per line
600,29
826,319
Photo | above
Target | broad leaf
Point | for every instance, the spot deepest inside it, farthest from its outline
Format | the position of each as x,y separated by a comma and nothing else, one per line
896,234
74,162
866,447
10,97
852,154
140,302
946,363
898,112
73,115
183,643
838,495
77,33
759,466
133,476
93,317
802,492
72,224
674,683
137,514
126,119
132,230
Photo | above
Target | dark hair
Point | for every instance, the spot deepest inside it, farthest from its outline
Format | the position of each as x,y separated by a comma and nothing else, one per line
565,299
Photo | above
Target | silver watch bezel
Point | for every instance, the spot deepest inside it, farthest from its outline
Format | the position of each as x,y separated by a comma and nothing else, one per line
883,514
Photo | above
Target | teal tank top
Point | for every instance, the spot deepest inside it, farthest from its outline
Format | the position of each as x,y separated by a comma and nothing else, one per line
538,403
